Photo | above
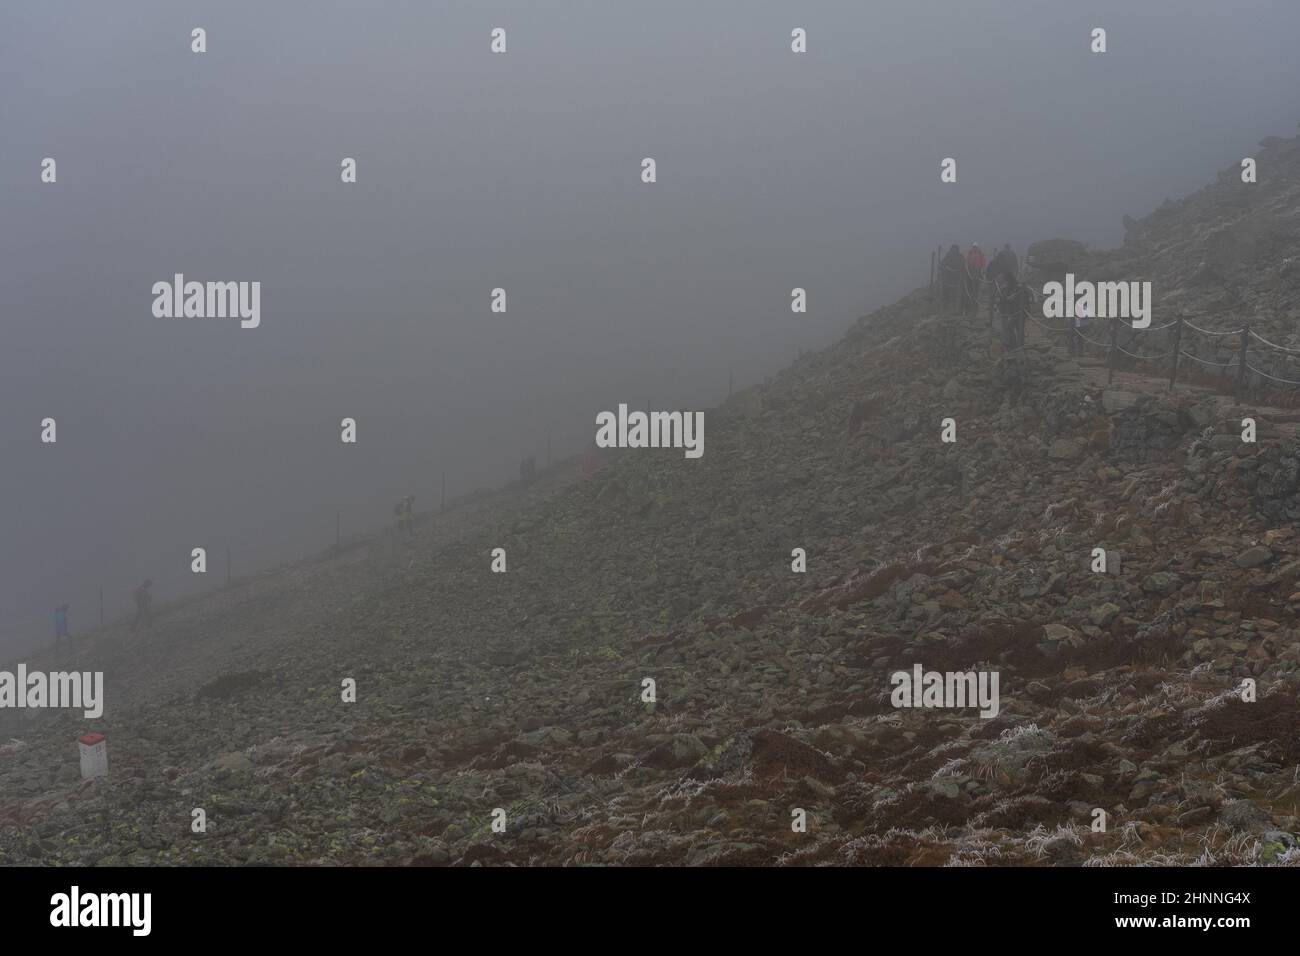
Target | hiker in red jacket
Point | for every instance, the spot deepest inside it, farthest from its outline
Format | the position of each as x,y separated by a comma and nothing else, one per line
975,263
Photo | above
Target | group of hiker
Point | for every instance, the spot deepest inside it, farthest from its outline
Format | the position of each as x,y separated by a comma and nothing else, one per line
963,277
141,596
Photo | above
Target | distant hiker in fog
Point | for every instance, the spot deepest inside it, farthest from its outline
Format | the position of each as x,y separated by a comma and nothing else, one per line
975,263
1012,262
528,470
1001,267
1003,264
950,284
1078,323
61,628
1013,303
590,461
143,606
405,511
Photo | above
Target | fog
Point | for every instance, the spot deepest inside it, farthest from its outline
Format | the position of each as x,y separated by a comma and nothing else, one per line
520,171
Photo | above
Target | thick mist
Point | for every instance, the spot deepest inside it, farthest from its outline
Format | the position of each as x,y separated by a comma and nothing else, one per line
519,171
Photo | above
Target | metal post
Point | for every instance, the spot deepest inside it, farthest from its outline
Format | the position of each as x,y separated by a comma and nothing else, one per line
1110,357
1241,362
1178,344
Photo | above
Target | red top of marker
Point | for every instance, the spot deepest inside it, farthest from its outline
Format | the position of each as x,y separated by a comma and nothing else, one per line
91,739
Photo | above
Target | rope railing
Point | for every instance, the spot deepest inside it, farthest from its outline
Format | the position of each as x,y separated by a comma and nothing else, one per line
1241,361
1196,358
1044,325
1100,345
1274,378
1159,328
1209,332
1272,345
1145,358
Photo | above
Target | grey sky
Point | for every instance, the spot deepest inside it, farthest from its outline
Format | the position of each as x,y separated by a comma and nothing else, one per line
521,171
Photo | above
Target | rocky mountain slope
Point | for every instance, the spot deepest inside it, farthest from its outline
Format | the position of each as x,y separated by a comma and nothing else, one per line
1224,257
523,691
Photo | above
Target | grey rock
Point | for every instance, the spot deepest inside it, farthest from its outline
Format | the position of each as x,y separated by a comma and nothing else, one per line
1065,449
1162,582
1103,614
1253,557
234,762
1244,816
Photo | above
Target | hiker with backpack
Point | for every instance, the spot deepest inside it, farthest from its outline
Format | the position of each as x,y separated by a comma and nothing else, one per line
1078,322
1013,304
143,606
1004,263
405,511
